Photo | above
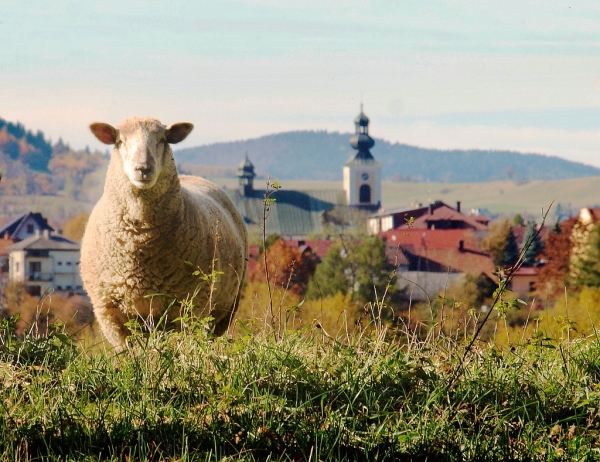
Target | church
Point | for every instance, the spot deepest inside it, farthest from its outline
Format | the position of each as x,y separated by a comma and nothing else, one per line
298,214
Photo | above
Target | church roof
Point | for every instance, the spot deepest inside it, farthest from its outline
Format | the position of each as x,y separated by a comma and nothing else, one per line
362,158
294,213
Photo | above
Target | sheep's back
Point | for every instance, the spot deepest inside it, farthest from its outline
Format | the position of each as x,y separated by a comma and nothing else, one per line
224,232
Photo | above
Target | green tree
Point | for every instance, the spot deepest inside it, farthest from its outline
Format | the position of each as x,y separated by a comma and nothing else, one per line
589,267
536,246
330,277
502,244
518,220
358,266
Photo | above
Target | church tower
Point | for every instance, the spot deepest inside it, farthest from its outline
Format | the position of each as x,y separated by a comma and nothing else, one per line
246,176
362,173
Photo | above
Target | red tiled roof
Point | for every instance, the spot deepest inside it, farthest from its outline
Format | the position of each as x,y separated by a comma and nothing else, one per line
441,246
319,246
445,213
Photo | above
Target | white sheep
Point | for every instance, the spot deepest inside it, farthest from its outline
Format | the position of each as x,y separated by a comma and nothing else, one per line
149,225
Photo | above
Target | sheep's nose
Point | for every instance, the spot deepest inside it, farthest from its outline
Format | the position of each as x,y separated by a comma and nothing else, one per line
144,170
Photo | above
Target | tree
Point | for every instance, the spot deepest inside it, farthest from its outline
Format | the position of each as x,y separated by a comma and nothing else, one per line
289,268
534,242
501,244
329,278
589,267
518,220
73,229
553,275
356,266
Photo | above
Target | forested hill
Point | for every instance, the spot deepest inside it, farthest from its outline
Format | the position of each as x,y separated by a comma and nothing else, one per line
31,165
17,143
319,155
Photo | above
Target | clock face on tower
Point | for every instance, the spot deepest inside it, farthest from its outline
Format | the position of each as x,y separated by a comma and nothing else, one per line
365,176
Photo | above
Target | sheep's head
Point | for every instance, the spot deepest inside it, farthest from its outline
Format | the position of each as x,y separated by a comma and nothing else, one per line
142,145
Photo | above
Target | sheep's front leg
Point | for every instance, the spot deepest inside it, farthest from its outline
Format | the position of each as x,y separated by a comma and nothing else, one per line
112,322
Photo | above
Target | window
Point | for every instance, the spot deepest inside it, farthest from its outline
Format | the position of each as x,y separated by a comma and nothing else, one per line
364,194
17,268
59,263
69,263
35,266
59,288
29,229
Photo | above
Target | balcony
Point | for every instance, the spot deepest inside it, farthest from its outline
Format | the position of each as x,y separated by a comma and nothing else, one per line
42,277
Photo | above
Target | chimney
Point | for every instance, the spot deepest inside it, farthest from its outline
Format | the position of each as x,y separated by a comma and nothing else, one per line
46,234
458,206
431,209
37,233
461,244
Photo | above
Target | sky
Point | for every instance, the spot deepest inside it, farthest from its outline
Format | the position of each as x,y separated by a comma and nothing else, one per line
521,75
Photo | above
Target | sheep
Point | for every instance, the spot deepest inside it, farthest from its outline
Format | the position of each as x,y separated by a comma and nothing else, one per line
148,227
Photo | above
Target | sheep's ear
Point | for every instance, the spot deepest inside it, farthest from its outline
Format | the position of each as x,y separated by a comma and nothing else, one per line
104,132
178,132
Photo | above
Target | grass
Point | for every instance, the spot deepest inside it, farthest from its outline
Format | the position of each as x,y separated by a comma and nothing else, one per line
370,396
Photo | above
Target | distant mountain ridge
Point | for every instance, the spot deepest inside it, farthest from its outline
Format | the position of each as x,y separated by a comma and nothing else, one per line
320,155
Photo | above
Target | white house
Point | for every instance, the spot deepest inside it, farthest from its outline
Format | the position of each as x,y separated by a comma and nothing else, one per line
45,261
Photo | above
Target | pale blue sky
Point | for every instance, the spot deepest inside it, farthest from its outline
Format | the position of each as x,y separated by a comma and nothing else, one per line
521,75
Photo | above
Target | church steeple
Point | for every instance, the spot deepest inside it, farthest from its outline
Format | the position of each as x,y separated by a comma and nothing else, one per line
362,173
246,176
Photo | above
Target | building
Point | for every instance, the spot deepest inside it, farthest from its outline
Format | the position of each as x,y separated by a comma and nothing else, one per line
362,173
27,225
431,259
298,214
437,215
45,261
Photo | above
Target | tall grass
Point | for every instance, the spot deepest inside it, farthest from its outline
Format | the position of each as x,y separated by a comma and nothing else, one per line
305,396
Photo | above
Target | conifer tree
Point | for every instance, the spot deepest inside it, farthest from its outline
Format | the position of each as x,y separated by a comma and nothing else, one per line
532,252
502,244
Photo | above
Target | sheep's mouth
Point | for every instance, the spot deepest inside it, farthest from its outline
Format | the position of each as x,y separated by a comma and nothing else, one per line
143,181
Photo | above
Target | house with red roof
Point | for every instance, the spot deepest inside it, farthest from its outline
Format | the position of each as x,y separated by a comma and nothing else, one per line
435,258
437,215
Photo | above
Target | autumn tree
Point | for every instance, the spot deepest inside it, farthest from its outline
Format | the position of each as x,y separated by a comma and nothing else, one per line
73,229
502,244
289,268
553,275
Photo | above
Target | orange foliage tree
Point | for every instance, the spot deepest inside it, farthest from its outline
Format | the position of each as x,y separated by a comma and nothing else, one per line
553,276
288,267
